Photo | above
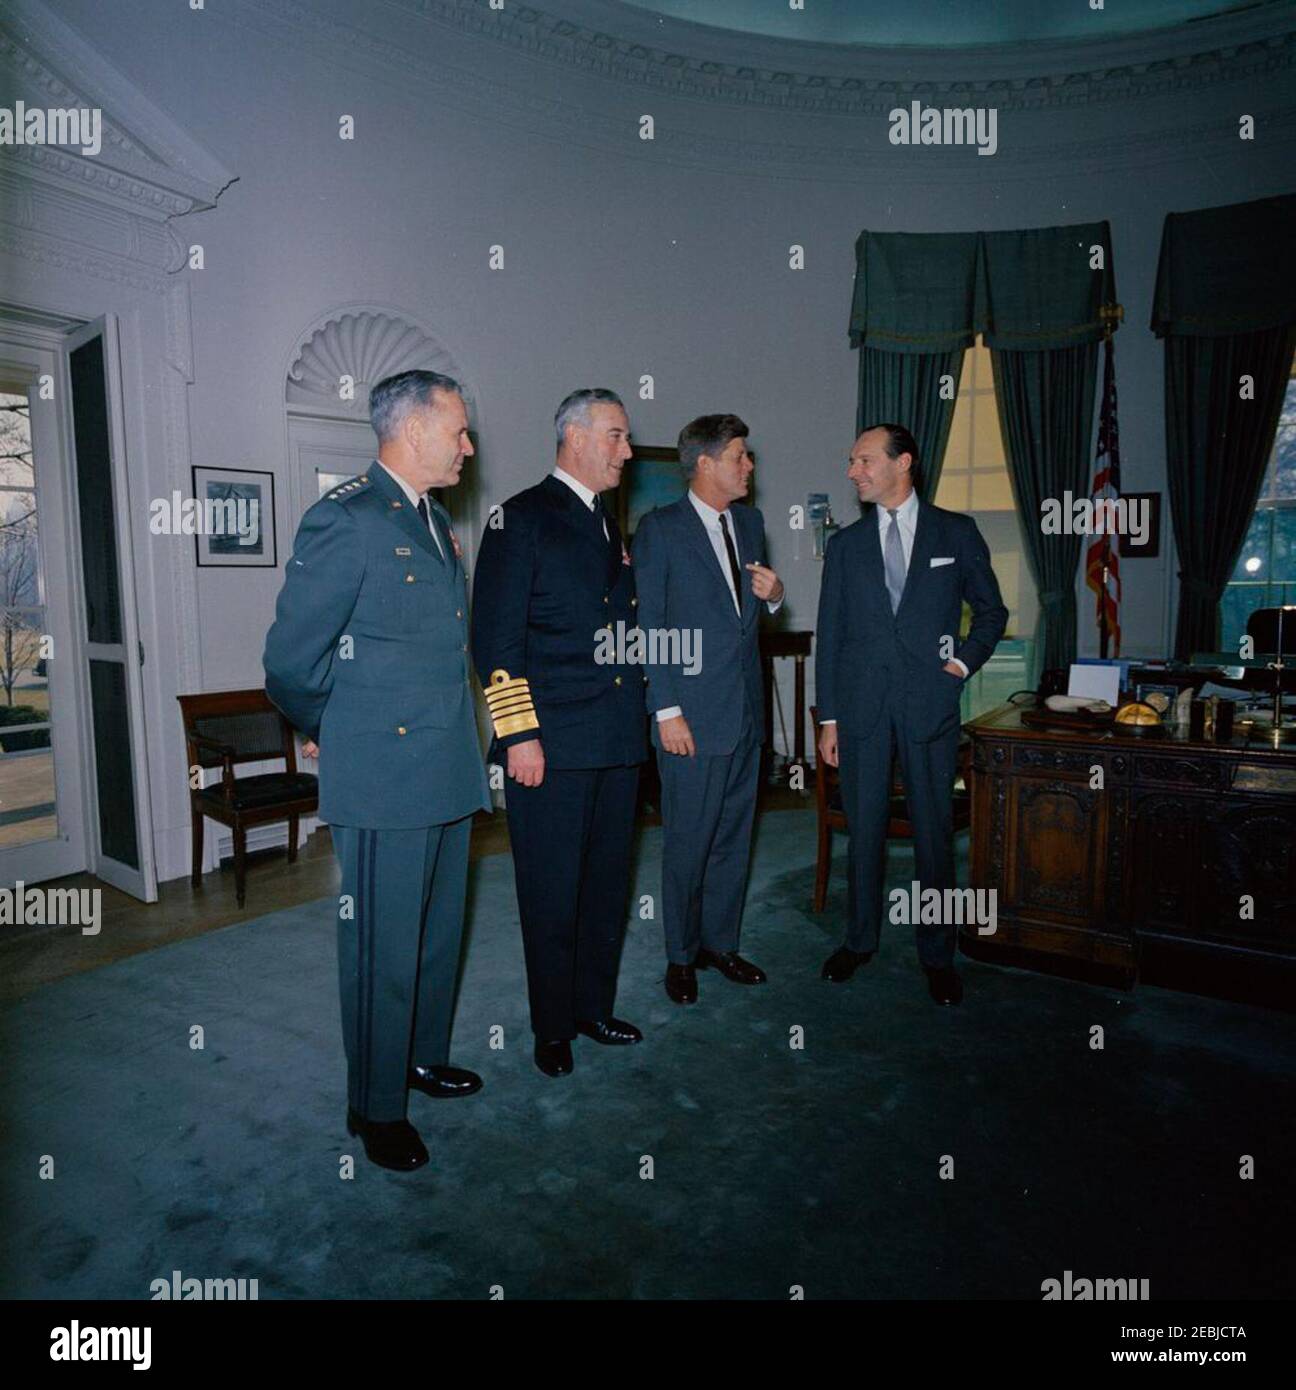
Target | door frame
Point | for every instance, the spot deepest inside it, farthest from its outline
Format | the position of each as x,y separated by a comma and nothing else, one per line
139,882
29,353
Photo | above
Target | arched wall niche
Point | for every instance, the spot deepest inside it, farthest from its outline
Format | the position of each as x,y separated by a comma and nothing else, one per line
332,366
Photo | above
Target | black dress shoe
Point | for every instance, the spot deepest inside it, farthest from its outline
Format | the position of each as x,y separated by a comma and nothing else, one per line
443,1083
843,963
553,1058
944,984
681,984
389,1143
732,966
615,1032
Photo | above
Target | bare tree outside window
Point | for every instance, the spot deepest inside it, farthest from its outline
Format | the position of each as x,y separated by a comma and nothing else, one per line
19,586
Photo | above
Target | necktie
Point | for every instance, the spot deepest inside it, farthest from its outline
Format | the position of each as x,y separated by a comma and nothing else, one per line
734,571
606,523
436,530
894,561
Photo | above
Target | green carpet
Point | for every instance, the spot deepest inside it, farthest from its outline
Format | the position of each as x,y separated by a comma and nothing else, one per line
772,1167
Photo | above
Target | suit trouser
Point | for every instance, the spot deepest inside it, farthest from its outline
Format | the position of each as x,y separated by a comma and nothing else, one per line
572,838
398,955
708,804
927,770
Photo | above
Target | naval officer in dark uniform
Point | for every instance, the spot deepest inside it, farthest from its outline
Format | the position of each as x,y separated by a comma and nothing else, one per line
368,658
552,578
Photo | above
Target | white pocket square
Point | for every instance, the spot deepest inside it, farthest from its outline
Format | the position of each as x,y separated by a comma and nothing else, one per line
941,560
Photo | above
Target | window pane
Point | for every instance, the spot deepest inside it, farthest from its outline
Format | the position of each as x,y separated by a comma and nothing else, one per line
15,440
1253,561
27,811
1282,559
1280,481
95,493
19,560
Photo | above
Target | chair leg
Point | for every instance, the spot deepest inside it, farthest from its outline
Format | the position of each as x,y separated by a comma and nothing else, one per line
822,865
195,876
292,839
240,863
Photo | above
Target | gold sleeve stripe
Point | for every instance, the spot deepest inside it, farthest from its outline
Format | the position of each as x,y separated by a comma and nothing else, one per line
509,701
514,706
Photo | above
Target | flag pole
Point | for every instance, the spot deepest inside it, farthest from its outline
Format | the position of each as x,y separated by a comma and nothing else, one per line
1110,316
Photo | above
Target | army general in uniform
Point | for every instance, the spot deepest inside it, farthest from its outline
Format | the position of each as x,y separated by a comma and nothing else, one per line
368,659
552,579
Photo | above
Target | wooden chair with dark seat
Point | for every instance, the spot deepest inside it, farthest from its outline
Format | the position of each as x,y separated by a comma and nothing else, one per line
832,816
230,727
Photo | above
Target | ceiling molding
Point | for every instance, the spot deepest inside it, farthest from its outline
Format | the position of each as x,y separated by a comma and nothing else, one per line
459,72
705,64
148,163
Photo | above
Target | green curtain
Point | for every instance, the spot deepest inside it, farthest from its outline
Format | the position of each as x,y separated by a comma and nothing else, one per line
1217,450
1226,306
906,388
1227,270
1046,406
916,291
920,299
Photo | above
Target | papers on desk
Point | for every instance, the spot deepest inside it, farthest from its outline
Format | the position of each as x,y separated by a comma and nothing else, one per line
1227,692
1095,683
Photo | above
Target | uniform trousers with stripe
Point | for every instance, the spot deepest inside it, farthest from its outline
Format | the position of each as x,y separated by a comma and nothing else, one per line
571,838
928,771
708,803
398,955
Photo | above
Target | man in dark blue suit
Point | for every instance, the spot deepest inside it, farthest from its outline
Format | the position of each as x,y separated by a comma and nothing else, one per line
368,658
552,579
889,670
701,571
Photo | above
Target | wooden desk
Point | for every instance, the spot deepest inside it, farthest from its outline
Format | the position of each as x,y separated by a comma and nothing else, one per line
1162,852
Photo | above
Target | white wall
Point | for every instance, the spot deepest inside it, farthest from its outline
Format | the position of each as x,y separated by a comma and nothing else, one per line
623,257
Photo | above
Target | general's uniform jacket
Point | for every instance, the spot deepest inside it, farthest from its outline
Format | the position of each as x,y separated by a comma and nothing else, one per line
547,584
368,655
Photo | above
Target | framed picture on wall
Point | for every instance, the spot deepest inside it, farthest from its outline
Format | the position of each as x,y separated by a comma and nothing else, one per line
234,518
1149,507
652,479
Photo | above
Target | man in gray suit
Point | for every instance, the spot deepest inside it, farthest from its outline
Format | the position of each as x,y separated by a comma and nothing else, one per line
368,658
701,573
889,669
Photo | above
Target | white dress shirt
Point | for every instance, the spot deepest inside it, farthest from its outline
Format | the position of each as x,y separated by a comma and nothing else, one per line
710,519
585,494
414,501
906,518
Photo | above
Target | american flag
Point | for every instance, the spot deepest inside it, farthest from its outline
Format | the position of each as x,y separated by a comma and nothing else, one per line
1102,560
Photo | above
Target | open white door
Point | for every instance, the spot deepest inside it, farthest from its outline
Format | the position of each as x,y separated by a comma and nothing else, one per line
108,648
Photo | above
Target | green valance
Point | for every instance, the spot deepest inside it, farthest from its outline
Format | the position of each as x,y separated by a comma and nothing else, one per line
1227,270
1025,290
915,291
